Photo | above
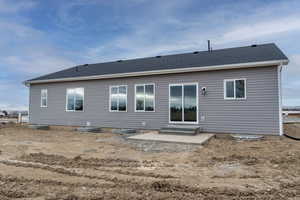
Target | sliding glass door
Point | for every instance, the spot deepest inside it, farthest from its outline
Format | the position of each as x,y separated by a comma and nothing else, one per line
183,103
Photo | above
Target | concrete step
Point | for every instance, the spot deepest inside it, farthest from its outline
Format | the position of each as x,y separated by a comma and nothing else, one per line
177,132
180,130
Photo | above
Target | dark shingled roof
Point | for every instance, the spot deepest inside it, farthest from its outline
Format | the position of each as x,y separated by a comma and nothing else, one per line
254,53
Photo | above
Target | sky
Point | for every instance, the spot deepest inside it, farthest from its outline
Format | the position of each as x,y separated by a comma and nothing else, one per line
43,36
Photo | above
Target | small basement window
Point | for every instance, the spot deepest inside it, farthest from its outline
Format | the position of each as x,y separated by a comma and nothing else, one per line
75,98
144,98
44,98
235,89
118,98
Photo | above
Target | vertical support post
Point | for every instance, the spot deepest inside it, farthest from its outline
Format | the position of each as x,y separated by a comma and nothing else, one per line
208,45
19,118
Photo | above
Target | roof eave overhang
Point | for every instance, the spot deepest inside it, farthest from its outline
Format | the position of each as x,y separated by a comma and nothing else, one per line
166,71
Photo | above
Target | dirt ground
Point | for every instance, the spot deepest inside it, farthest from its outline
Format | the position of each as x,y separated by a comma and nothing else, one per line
63,164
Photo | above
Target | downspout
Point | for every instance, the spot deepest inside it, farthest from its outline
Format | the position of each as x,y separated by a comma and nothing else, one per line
280,99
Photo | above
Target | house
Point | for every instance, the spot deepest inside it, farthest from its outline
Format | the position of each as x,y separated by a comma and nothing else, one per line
291,111
234,90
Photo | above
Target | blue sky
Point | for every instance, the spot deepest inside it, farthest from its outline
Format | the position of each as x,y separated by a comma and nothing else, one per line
39,37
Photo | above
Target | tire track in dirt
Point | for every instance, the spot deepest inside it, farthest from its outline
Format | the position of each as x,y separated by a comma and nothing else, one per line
14,188
20,187
60,170
78,162
95,164
138,173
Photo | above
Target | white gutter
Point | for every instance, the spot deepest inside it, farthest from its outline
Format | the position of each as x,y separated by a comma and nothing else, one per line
167,71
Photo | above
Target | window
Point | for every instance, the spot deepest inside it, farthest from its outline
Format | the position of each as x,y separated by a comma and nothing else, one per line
144,98
75,98
44,98
118,98
183,103
235,89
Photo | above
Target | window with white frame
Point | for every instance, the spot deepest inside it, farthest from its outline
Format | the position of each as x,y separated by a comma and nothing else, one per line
144,98
75,98
44,98
118,98
235,89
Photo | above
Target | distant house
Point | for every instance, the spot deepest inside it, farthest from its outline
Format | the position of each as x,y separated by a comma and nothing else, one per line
235,90
2,114
291,111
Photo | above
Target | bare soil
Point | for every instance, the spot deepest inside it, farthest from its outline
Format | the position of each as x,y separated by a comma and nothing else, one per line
63,164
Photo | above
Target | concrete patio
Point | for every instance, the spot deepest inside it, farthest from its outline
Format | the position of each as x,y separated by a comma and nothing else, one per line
186,139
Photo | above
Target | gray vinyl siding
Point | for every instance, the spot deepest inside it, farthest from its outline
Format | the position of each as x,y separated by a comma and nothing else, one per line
258,114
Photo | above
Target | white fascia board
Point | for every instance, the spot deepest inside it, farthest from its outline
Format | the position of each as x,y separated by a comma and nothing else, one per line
167,71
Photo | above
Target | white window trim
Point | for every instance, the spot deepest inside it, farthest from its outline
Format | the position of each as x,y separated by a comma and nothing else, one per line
118,98
74,100
135,110
197,99
234,88
44,106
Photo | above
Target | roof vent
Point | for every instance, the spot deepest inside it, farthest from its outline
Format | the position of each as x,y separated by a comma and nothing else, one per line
86,65
158,56
120,61
254,45
195,52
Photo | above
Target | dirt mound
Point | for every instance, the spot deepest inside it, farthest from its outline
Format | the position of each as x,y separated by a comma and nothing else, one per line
78,162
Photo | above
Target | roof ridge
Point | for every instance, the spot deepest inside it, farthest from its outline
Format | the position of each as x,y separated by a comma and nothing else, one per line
183,53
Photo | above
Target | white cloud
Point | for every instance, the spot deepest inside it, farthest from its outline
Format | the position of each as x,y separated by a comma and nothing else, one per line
13,107
291,81
36,63
291,72
27,50
261,29
9,6
12,95
18,31
152,37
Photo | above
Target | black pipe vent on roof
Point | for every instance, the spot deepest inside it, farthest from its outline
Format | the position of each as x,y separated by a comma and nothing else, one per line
86,65
254,45
158,56
120,61
195,52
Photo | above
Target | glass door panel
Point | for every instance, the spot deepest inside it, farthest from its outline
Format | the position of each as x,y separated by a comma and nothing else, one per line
176,103
190,103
